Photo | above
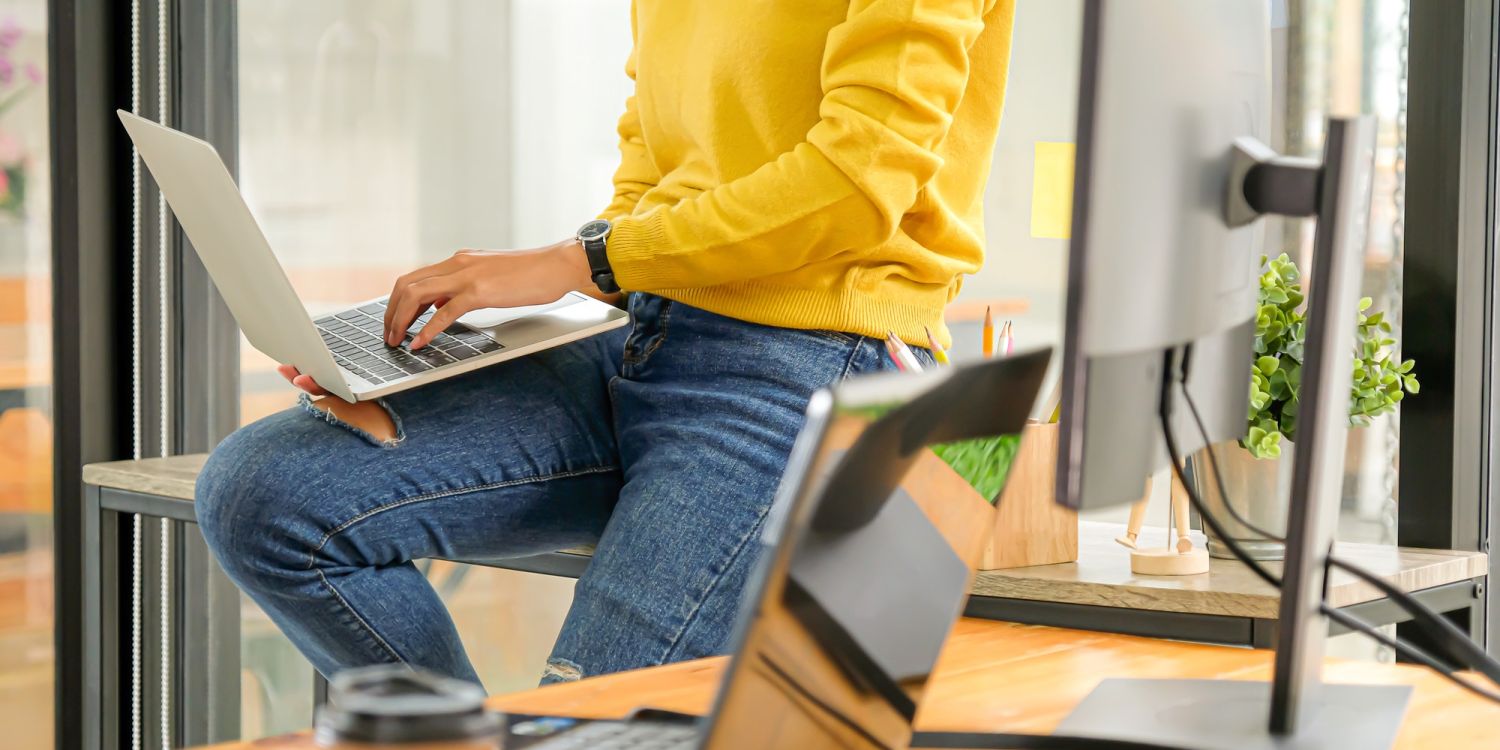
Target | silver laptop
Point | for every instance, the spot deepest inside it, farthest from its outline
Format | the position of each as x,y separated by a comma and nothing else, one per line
344,352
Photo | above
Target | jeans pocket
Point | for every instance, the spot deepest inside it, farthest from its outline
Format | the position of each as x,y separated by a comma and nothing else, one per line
649,315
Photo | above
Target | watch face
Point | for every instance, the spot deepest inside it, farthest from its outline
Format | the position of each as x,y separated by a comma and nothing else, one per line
593,230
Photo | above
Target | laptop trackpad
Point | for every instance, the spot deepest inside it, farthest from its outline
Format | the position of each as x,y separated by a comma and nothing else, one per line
491,317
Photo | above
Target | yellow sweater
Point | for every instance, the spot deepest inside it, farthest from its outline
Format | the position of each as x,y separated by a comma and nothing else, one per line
809,163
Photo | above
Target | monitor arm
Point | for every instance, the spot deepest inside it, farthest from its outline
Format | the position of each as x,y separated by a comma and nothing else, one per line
1263,182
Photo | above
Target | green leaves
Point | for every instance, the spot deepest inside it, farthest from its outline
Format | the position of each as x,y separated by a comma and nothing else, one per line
1379,383
983,462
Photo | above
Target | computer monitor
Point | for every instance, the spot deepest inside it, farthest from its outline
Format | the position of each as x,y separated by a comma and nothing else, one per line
1170,181
1166,86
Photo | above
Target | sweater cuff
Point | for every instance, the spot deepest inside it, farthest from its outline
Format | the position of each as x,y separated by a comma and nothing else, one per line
633,242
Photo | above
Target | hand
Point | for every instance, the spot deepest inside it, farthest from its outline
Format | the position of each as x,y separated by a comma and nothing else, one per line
305,382
476,279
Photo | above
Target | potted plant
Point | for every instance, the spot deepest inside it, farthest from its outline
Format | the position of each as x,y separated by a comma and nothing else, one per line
1257,469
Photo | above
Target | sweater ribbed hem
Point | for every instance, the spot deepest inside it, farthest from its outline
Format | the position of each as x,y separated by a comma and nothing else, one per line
833,310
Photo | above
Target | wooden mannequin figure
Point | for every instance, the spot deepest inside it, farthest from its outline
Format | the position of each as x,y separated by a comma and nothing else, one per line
1185,560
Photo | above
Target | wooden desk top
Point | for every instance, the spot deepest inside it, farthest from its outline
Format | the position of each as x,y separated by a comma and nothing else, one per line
996,676
1101,576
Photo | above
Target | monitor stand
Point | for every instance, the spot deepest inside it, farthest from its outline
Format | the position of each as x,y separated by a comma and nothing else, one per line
1296,709
1231,715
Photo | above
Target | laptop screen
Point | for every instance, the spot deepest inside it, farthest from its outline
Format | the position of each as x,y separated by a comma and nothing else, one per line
858,588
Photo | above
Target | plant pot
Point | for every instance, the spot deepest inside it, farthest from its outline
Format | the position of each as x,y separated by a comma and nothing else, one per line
1259,489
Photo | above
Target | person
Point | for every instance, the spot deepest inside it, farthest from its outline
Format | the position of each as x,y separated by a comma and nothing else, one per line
796,179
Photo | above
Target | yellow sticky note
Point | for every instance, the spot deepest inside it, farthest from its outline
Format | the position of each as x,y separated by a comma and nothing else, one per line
1052,191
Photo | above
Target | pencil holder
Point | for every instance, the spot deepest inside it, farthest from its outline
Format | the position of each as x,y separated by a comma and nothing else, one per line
1027,527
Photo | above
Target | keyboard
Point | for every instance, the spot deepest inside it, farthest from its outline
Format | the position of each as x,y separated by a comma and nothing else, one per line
613,735
357,340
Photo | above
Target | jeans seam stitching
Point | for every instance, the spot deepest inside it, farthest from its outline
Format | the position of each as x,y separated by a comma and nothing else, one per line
341,528
713,585
364,623
849,361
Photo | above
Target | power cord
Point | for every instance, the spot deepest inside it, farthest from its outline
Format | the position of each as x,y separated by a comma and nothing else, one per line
1408,650
1213,462
1454,642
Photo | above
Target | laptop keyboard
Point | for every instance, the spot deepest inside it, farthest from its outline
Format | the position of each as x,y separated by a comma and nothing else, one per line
623,736
357,340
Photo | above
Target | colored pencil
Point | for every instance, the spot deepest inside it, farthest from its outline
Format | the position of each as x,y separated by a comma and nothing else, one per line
903,352
989,334
938,352
890,351
1008,339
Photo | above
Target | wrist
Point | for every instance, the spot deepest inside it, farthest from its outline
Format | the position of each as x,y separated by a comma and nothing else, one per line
574,262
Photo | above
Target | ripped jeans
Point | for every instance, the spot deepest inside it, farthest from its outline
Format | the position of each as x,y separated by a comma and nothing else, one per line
661,443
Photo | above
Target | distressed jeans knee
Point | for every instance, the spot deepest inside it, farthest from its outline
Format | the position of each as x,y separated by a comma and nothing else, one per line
561,670
374,421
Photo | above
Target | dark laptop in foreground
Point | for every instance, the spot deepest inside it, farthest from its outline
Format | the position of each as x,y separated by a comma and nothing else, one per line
856,591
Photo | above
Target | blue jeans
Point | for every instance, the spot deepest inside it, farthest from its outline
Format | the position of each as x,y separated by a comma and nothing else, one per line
661,443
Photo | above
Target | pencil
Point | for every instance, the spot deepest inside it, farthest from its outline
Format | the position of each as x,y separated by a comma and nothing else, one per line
890,351
989,333
938,352
903,352
1008,337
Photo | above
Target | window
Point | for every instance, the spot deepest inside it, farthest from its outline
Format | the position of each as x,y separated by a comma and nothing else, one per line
380,136
26,657
1329,57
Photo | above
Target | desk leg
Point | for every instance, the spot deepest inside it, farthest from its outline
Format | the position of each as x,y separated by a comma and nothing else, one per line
93,622
111,677
1262,633
208,643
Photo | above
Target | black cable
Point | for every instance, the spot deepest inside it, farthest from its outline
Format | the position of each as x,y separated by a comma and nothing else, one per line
1164,410
1408,650
1455,643
1213,462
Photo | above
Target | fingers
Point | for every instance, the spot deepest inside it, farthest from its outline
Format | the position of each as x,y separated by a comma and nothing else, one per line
445,316
306,383
415,298
399,289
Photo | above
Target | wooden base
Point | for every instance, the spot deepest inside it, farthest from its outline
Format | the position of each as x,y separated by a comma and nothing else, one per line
1029,527
1163,561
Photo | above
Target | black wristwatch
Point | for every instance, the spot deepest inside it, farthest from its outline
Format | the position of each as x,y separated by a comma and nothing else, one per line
594,236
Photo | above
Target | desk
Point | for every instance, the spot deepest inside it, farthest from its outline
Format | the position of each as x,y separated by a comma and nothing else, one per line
997,676
1097,592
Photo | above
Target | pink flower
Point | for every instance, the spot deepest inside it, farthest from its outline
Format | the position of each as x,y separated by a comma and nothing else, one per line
10,32
33,72
11,151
